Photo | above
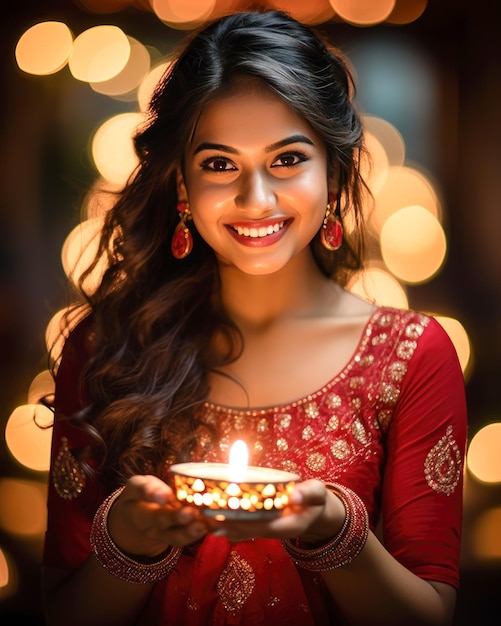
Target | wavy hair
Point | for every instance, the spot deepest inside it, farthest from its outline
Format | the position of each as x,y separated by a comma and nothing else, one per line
153,315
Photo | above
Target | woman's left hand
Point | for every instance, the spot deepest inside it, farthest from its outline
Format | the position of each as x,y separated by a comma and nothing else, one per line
314,514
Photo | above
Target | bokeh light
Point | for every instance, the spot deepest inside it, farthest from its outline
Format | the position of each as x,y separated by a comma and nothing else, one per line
407,11
113,148
149,84
128,80
44,48
378,286
413,244
28,435
484,458
79,250
9,578
23,508
311,12
42,387
99,54
388,136
459,338
182,14
404,186
59,328
486,535
363,12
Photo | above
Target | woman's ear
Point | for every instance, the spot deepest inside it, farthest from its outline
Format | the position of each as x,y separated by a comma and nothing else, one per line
182,192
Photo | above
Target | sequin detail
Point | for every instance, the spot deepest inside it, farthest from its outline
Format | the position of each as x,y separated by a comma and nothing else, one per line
67,475
442,467
236,583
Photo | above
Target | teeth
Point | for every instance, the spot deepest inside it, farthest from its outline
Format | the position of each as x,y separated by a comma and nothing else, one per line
263,231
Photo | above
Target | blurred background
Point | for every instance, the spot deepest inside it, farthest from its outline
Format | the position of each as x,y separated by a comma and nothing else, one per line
76,76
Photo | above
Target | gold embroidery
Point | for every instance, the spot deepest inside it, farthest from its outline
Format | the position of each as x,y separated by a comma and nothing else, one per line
236,583
262,425
312,410
414,331
405,350
316,462
284,421
67,475
359,432
333,401
308,433
379,339
282,444
333,423
389,393
340,449
397,371
442,467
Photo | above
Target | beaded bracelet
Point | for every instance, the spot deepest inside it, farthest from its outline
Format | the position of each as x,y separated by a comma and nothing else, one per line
119,564
344,546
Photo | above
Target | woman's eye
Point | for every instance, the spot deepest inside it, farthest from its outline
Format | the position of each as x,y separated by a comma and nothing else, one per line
290,159
218,165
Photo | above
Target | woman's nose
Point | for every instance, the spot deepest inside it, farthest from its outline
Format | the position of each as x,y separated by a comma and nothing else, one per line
256,193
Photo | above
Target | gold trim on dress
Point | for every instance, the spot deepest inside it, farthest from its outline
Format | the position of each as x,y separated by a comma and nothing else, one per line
67,475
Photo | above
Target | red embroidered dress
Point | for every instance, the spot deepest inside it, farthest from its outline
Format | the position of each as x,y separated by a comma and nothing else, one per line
391,425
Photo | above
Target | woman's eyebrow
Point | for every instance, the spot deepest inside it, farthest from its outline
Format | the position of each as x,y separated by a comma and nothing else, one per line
271,148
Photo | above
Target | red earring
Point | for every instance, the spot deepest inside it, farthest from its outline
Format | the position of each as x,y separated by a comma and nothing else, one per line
182,240
331,233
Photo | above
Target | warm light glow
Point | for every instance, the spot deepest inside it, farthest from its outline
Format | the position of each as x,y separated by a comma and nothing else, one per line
23,507
239,459
413,244
486,535
79,250
4,570
483,457
404,186
99,200
113,149
131,76
99,54
44,48
389,138
375,171
42,386
407,11
9,580
148,85
59,328
311,12
28,435
378,286
459,338
363,12
182,14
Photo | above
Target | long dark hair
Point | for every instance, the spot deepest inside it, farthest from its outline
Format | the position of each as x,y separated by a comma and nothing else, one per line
154,315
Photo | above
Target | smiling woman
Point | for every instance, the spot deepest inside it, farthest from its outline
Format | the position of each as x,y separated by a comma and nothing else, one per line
222,315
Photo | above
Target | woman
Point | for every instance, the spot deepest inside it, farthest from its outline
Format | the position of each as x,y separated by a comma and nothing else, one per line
223,316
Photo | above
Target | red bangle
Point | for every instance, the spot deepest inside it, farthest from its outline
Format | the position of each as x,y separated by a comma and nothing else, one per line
344,546
119,564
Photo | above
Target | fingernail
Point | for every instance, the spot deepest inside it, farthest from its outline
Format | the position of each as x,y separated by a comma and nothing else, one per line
220,532
296,497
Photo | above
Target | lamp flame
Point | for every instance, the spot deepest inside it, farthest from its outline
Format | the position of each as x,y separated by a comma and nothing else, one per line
239,459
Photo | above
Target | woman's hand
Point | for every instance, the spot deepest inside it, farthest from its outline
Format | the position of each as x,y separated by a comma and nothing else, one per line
147,518
314,515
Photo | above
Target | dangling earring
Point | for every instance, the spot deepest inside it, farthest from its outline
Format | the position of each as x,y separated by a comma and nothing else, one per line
182,240
331,233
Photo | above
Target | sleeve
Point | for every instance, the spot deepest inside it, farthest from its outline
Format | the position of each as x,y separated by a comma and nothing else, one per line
73,497
423,483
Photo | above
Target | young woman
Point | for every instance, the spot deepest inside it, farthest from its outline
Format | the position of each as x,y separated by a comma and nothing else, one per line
223,316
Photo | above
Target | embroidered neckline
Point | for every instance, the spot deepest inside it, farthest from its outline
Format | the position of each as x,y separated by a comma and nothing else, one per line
367,332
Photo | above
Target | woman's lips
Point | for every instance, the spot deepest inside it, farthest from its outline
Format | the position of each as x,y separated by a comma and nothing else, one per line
264,233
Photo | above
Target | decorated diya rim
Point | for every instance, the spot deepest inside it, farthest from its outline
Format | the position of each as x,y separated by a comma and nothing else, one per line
258,493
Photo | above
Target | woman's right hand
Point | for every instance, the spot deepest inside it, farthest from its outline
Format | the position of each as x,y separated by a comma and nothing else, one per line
147,518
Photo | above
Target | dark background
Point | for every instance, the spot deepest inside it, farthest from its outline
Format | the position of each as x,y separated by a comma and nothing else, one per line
45,123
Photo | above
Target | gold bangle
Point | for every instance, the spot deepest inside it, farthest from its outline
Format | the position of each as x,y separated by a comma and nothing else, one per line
117,562
344,546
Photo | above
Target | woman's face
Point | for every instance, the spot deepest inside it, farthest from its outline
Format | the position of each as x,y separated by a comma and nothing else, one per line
256,179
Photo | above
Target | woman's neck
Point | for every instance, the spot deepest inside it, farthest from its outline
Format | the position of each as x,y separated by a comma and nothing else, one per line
257,301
